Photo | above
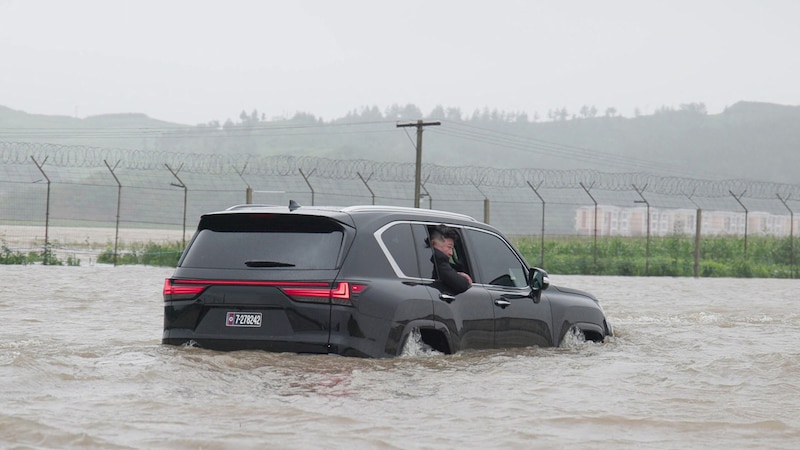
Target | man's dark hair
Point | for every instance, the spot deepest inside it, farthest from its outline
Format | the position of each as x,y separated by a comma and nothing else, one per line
444,232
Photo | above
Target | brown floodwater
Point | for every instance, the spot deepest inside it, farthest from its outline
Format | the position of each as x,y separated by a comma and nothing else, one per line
695,363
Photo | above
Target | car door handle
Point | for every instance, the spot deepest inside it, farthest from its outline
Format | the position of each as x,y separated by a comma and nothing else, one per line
446,297
502,303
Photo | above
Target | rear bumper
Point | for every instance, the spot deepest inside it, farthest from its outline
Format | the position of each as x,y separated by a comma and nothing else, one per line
182,337
349,334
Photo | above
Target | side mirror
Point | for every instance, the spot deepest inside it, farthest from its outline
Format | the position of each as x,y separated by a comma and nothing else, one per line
538,281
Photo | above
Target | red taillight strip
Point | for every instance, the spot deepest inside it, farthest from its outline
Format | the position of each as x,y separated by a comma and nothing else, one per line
171,289
295,289
194,287
252,283
341,291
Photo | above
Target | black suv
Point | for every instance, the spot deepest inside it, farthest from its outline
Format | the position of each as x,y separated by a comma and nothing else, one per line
358,281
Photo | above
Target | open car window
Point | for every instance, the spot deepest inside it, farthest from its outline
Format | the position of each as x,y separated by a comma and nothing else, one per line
497,263
459,261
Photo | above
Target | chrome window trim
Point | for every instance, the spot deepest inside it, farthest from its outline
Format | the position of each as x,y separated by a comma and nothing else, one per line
378,235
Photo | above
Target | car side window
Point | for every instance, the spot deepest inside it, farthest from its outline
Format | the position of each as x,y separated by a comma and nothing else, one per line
497,264
398,240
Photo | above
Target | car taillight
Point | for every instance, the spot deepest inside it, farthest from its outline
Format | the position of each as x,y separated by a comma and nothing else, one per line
302,291
339,293
174,290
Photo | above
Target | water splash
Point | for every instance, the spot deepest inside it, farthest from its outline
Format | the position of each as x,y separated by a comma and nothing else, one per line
415,347
574,339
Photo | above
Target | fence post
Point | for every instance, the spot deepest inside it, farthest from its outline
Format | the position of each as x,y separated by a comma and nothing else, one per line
305,177
486,202
791,230
119,197
738,199
536,191
248,193
182,185
46,254
698,230
367,185
595,218
647,243
427,194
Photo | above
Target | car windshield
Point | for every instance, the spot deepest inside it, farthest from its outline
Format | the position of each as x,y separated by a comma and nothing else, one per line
265,241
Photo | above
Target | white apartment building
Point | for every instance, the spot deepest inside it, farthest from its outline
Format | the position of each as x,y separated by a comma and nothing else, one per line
621,221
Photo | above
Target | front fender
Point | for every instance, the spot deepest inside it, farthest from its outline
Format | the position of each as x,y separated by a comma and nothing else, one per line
591,331
579,309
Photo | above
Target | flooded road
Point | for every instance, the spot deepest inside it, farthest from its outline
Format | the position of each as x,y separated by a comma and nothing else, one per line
695,363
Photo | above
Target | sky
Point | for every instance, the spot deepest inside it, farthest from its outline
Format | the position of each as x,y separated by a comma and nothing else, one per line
197,61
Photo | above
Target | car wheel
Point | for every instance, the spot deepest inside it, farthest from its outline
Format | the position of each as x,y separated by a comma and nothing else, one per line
574,337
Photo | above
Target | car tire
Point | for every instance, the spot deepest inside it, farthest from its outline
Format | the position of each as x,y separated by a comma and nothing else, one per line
573,337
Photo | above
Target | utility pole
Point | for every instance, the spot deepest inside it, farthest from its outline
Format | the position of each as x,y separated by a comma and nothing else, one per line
418,175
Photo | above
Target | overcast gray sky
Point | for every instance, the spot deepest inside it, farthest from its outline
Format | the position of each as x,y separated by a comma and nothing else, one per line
194,61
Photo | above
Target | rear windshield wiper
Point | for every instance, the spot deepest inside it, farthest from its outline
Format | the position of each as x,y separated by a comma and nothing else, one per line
267,264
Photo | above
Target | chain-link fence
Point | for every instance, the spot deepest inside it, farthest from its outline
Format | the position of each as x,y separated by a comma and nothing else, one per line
87,200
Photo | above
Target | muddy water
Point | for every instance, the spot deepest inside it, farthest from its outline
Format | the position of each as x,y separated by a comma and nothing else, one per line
695,363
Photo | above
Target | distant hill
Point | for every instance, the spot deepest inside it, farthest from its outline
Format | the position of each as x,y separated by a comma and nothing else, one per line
128,130
755,141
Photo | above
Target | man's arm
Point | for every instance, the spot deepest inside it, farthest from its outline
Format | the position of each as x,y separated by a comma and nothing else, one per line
455,281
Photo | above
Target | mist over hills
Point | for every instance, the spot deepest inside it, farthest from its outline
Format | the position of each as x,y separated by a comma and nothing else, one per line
748,140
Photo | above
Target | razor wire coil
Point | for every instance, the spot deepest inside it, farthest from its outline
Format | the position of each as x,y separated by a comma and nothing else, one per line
86,157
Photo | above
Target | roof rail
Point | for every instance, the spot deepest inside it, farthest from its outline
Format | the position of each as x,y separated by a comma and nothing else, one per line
249,205
407,209
368,208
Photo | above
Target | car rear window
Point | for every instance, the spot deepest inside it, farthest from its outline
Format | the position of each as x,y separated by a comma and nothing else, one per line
258,241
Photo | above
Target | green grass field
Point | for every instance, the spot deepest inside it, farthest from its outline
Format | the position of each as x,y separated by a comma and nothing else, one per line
766,257
674,256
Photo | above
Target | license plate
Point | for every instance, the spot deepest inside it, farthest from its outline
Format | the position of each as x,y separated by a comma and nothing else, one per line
243,319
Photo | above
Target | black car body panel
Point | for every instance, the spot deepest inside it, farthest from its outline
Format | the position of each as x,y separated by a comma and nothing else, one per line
357,281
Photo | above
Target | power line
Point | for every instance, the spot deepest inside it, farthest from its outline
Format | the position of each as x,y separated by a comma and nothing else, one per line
532,145
239,130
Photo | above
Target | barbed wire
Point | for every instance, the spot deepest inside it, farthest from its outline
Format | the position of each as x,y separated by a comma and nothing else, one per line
80,156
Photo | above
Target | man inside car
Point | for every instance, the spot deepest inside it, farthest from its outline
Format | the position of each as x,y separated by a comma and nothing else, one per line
443,242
